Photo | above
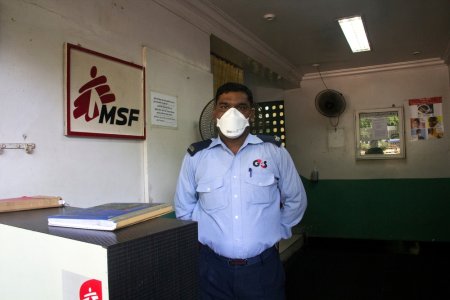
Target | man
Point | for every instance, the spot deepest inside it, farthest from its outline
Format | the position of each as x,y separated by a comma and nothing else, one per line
435,129
245,194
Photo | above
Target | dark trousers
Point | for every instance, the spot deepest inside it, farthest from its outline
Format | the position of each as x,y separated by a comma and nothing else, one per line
261,277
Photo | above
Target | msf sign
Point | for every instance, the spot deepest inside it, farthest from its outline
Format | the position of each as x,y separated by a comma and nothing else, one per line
92,106
118,116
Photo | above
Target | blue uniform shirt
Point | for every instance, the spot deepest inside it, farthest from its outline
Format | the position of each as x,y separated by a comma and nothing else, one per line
243,203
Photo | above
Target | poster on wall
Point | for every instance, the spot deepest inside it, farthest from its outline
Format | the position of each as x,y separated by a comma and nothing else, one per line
426,118
164,110
105,96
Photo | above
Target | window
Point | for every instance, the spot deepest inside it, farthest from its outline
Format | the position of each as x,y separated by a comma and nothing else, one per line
379,134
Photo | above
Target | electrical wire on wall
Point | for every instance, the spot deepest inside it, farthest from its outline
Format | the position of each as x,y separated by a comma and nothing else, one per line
329,103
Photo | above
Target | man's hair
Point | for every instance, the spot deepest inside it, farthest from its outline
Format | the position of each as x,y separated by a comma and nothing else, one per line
234,87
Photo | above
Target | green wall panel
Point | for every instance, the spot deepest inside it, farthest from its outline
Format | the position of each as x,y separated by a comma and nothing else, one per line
388,209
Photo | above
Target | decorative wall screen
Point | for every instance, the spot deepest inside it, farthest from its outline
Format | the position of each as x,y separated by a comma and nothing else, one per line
269,119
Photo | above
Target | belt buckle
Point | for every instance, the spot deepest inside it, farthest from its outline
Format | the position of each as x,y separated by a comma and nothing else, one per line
237,262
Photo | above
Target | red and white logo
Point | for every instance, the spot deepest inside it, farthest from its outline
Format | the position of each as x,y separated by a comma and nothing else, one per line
92,106
105,95
87,105
91,290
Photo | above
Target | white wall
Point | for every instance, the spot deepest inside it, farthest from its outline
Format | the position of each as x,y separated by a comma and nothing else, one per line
90,171
265,94
307,130
166,147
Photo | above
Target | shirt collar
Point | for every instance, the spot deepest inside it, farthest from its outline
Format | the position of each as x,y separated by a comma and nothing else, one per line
251,139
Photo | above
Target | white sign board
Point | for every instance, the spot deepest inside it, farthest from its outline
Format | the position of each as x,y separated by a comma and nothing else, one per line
164,110
104,95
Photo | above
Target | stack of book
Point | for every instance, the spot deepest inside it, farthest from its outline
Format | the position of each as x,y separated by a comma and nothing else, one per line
109,216
27,203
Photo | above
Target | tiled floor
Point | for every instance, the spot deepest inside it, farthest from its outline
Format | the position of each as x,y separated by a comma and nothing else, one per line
348,269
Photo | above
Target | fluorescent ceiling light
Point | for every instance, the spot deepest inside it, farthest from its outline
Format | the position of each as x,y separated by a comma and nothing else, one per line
355,34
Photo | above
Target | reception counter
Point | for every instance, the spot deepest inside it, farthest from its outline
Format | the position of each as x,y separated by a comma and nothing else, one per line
155,259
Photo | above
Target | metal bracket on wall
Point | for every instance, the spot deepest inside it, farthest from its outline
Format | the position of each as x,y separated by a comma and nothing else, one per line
28,147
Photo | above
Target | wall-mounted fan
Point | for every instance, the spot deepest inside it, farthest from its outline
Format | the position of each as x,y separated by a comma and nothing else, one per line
330,103
206,122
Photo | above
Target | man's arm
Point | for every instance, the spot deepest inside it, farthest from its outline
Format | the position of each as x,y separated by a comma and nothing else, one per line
293,195
185,194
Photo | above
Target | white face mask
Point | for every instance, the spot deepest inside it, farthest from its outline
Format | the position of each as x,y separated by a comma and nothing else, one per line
232,123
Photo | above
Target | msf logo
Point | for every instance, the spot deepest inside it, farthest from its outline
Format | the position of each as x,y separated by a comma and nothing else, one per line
91,290
91,107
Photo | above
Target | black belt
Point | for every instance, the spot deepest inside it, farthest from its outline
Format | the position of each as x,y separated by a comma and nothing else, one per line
242,261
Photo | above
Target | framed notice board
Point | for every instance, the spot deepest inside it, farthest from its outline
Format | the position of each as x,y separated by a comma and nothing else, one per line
380,133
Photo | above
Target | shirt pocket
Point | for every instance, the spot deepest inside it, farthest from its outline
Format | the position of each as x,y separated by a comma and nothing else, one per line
263,187
211,195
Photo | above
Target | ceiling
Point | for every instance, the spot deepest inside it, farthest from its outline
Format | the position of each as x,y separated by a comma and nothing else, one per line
305,32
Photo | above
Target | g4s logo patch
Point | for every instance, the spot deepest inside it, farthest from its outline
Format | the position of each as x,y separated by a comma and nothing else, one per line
260,163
